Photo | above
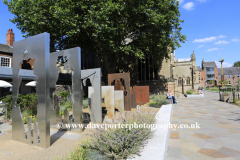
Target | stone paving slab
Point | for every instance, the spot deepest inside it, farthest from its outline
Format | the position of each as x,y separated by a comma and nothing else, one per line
218,136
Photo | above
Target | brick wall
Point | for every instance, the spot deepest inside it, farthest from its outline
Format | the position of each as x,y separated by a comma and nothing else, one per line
236,78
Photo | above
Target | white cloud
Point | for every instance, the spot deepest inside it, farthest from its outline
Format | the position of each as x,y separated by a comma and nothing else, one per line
235,40
208,39
200,46
221,42
213,49
180,1
188,6
225,64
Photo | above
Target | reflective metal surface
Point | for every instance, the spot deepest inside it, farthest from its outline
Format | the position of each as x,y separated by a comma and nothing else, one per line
73,58
94,93
117,78
38,49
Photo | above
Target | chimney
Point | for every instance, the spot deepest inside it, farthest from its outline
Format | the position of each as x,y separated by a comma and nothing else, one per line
202,63
10,37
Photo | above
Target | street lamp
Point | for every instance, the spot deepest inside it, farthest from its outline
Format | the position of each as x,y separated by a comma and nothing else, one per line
222,72
192,76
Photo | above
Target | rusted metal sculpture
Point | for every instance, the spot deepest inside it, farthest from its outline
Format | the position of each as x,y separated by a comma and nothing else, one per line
142,94
121,81
133,99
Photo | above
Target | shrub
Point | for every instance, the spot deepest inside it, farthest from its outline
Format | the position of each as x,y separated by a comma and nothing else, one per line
158,101
189,92
27,103
85,103
121,142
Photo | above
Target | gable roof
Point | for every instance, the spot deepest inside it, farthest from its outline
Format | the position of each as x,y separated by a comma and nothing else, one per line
229,70
6,48
209,64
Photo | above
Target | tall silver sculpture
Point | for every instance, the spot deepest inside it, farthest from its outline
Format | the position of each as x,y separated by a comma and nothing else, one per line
94,93
73,64
37,48
46,75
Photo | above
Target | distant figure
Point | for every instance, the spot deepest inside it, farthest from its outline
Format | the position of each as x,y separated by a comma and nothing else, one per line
168,96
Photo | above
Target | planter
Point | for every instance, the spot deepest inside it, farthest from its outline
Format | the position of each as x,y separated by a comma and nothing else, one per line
225,98
195,96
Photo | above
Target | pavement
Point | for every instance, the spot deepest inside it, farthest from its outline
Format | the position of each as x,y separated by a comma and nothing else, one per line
218,136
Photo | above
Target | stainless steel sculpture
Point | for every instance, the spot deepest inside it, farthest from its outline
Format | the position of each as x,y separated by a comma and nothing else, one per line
73,64
46,76
37,48
94,93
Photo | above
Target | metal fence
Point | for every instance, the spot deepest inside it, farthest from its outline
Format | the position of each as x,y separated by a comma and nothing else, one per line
233,93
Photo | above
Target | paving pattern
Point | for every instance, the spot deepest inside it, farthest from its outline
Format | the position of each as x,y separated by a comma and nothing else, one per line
218,136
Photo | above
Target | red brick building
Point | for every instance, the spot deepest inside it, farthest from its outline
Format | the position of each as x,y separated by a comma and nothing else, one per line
230,74
208,74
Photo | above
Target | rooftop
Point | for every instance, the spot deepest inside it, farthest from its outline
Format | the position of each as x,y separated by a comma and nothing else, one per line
229,70
209,64
6,48
183,60
24,73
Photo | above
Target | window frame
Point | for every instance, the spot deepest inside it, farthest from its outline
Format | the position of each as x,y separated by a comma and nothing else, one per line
10,61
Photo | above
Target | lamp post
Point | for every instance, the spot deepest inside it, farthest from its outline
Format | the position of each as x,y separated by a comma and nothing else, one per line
222,72
192,77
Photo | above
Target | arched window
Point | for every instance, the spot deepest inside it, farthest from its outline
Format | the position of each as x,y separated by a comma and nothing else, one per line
179,81
188,80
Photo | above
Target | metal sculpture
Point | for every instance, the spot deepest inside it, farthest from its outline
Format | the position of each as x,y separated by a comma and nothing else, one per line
142,94
117,77
46,75
119,101
133,98
37,48
72,58
108,95
94,92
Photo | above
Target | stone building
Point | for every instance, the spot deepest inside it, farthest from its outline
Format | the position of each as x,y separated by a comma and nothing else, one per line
175,75
230,74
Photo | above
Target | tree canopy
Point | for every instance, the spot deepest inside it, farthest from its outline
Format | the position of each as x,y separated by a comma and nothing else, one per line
236,64
114,30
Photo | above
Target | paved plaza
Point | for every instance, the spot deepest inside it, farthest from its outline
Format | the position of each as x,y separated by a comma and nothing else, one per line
219,133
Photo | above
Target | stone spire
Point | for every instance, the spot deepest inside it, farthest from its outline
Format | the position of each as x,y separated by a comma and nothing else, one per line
193,57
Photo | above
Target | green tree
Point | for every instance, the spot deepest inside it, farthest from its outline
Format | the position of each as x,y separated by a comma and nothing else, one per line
236,64
114,30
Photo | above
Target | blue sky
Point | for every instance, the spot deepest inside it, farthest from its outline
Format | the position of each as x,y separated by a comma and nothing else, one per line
212,28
